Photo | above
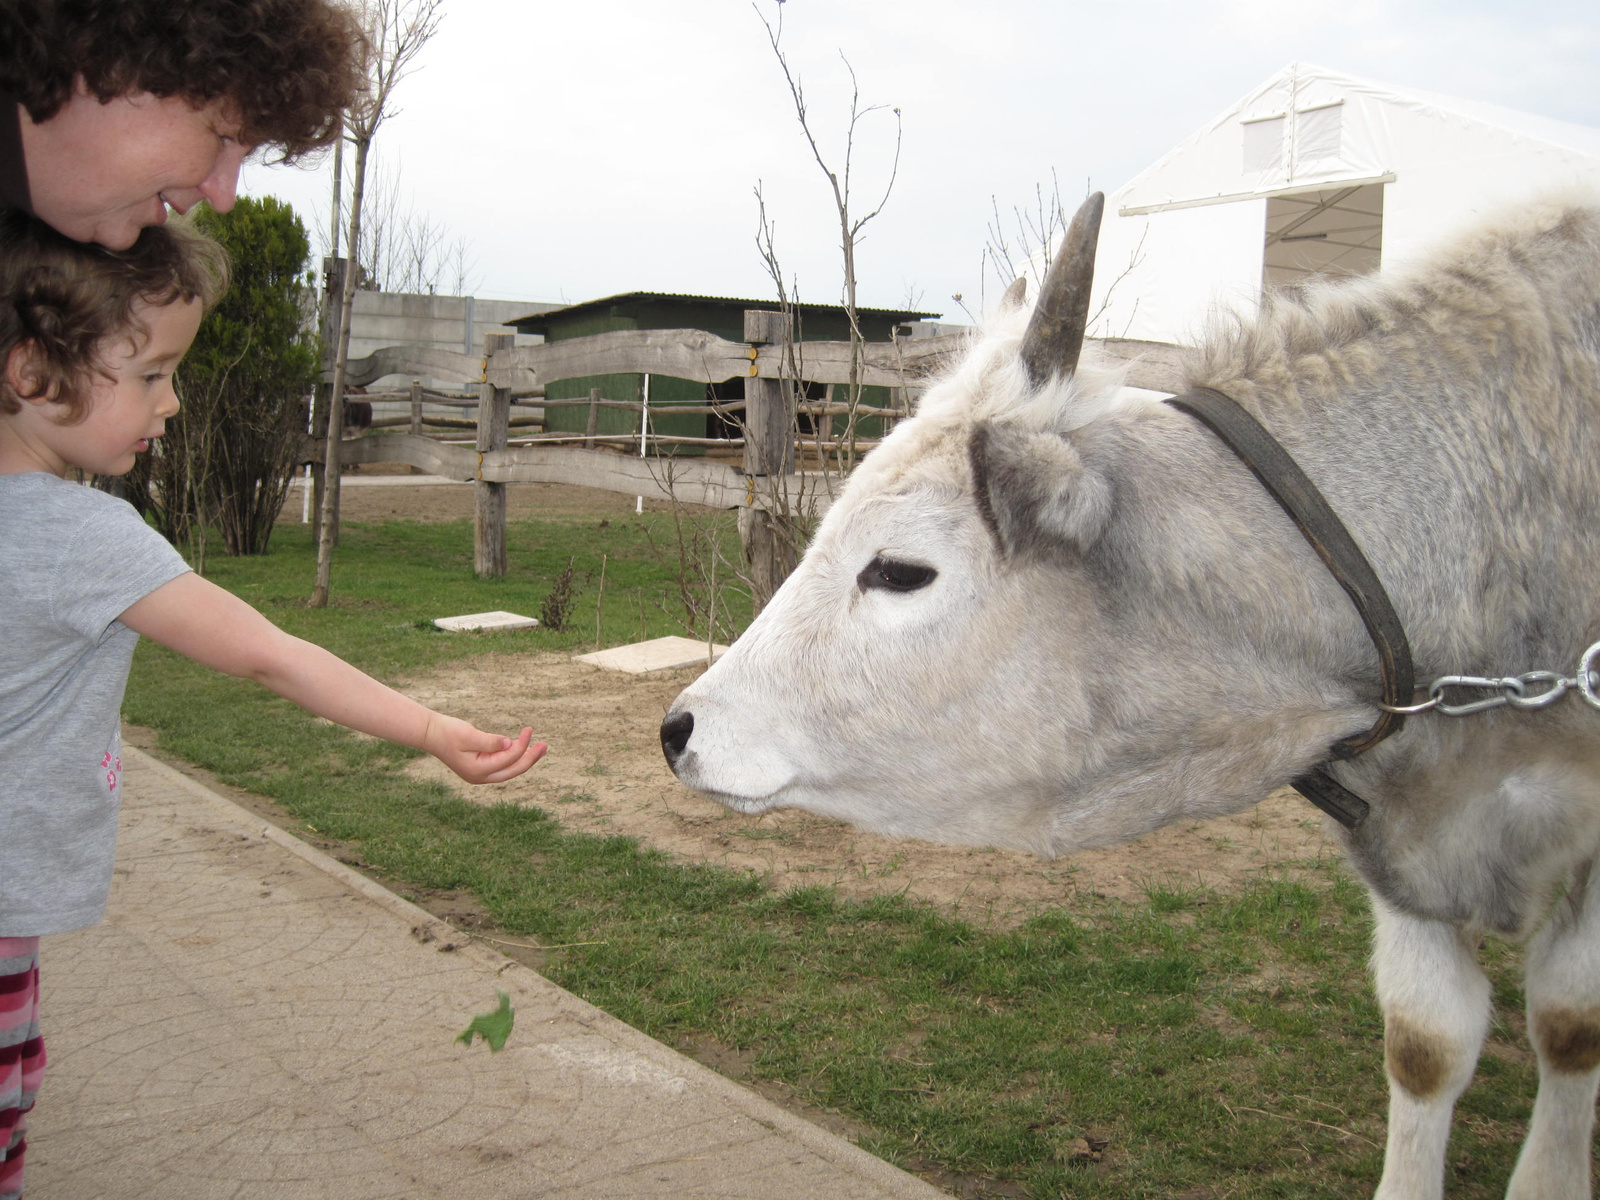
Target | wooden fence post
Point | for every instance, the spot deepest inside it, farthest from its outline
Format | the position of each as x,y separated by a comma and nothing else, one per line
768,404
594,418
322,394
767,535
494,417
416,416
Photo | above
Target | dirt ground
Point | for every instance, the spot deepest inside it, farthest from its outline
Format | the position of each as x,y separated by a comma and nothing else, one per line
605,773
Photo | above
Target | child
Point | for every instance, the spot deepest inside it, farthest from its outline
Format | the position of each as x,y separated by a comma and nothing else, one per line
89,339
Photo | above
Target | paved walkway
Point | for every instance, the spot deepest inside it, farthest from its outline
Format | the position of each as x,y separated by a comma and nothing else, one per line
255,1021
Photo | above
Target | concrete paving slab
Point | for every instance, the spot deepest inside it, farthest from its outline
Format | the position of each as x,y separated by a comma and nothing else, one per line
658,654
255,1021
499,619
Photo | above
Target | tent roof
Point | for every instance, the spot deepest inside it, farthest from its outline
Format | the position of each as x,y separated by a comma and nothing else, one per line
1318,172
1175,180
1582,138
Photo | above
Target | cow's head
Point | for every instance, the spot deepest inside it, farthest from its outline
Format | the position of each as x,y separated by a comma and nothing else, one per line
1000,635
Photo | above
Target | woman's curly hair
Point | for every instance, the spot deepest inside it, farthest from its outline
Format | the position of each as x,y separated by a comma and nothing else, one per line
65,300
286,68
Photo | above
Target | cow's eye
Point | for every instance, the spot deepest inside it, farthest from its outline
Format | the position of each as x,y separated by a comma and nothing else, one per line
895,576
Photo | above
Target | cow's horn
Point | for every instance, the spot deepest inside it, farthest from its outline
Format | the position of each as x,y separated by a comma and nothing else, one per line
1015,294
1055,333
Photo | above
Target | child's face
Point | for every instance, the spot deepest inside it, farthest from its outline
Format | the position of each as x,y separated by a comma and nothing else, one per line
130,402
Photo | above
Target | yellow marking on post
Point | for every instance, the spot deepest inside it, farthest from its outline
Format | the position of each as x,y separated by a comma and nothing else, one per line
480,466
753,353
749,491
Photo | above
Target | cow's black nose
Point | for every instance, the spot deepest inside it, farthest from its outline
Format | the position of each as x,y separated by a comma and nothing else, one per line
675,731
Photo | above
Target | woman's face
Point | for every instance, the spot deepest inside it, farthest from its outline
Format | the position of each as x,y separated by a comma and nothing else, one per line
100,172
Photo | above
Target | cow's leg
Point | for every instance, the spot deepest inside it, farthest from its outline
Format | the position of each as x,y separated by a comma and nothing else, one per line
1435,1001
1563,986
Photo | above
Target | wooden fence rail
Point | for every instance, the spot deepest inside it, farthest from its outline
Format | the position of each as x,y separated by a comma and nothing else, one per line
691,481
705,358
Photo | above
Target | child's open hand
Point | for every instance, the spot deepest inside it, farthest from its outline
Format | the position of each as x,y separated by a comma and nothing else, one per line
480,757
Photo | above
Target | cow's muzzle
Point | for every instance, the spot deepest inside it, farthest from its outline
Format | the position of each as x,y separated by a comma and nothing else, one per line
675,733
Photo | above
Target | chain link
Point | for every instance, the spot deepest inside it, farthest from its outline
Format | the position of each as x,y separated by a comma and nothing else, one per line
1536,689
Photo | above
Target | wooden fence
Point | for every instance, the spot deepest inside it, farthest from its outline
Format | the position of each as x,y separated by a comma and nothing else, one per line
765,482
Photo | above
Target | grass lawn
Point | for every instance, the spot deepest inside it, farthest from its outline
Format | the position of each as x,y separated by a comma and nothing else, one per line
1193,1046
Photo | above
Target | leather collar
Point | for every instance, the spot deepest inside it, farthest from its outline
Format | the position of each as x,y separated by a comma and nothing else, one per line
1321,527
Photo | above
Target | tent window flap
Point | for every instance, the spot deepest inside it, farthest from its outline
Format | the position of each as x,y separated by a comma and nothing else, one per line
1263,145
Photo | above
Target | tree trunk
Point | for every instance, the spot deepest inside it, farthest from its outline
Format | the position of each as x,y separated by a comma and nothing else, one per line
327,529
334,271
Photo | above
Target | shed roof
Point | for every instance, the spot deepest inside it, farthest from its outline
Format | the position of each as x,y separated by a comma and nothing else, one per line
533,322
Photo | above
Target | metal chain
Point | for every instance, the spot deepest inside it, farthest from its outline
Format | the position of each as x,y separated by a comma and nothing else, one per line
1536,689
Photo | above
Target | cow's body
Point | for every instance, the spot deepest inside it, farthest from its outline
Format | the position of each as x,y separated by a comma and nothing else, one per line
1122,629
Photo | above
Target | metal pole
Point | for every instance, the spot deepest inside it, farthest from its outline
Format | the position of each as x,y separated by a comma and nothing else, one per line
338,200
644,433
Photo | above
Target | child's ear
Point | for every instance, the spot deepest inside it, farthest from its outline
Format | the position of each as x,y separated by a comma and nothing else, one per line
27,377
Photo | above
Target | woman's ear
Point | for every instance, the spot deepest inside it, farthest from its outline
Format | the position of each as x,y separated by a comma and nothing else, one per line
27,377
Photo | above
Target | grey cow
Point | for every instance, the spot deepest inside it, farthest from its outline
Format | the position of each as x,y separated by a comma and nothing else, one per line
1044,615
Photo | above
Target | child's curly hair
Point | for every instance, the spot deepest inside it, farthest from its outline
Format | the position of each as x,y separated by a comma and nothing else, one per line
287,68
64,299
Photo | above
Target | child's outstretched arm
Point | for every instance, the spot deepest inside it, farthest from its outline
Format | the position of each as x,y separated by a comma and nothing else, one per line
214,627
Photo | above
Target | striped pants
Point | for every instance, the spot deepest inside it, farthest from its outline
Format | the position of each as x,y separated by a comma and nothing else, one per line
21,1055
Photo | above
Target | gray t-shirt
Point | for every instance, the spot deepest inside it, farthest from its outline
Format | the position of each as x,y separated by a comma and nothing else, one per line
72,559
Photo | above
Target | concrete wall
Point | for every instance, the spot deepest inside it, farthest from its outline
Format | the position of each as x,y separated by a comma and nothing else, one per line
450,322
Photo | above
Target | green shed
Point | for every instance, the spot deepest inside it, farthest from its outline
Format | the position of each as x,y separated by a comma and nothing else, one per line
718,315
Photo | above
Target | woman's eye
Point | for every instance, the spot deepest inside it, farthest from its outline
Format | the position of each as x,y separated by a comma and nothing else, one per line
893,575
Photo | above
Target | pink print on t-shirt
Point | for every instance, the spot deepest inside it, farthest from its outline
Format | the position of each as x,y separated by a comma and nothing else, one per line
112,766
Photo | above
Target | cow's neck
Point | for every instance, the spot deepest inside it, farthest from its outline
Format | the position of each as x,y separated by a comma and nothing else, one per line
1326,534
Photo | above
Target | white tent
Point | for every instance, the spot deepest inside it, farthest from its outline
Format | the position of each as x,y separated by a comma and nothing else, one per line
1316,171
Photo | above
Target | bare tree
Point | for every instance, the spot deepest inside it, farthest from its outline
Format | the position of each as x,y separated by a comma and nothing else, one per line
379,219
774,533
1037,230
1037,233
397,30
459,269
840,181
407,250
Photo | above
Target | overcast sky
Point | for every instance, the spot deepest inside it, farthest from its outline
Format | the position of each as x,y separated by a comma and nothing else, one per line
587,149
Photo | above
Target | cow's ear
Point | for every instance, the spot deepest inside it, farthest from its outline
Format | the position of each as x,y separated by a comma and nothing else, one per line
1034,491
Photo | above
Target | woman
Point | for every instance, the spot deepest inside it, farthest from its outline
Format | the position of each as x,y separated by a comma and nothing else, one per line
112,111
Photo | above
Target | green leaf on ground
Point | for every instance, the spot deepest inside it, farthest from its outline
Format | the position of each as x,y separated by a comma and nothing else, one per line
492,1027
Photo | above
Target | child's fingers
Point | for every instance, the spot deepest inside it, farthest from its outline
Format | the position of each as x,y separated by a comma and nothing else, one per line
509,749
530,754
504,758
477,741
